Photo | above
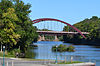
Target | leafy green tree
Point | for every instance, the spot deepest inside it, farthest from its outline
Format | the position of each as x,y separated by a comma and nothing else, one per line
24,26
16,29
7,33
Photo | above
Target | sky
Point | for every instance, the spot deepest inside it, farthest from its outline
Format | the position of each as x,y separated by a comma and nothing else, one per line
70,11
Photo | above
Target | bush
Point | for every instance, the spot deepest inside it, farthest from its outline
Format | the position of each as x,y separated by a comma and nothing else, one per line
63,48
71,48
14,52
35,45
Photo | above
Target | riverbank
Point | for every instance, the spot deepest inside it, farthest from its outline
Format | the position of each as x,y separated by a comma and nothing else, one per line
83,53
83,42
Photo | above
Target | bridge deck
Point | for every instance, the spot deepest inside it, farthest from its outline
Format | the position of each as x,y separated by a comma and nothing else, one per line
60,32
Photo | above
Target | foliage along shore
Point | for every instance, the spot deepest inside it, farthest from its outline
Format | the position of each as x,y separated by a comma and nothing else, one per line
91,25
63,48
16,29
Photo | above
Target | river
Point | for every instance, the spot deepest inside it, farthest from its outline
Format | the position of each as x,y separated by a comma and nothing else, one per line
82,53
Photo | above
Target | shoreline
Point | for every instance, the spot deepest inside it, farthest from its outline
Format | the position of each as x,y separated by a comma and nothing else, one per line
84,43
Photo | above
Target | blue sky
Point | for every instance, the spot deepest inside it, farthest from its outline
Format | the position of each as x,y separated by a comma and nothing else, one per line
71,11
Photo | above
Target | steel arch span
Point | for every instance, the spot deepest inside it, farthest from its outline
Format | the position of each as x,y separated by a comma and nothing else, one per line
51,19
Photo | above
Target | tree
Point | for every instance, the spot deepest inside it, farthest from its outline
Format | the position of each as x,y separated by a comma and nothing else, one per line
16,27
24,26
7,33
92,26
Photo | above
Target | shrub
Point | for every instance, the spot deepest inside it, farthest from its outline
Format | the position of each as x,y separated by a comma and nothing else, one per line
63,48
71,48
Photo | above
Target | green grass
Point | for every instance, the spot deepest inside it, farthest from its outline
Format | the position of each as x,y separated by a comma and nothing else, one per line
1,54
70,62
28,59
6,54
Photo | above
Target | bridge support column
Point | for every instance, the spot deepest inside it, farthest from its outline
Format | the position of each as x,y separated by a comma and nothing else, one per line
40,38
56,38
43,38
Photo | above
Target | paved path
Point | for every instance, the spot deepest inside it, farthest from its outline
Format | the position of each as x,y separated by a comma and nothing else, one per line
20,62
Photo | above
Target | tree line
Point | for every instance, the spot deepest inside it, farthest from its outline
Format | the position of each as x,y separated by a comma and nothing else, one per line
91,25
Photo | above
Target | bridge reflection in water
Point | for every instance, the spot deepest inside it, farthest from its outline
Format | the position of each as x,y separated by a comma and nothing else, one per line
83,53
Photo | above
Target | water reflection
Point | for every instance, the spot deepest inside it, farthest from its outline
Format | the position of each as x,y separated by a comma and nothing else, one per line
82,52
30,53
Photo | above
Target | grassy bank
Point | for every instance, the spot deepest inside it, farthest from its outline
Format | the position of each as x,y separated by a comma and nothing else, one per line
7,54
70,62
30,59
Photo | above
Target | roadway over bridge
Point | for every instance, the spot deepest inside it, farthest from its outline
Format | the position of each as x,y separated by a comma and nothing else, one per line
60,32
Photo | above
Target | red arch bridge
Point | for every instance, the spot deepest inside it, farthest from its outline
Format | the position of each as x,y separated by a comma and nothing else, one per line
42,33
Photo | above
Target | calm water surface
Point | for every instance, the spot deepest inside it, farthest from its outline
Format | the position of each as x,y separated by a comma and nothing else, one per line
83,53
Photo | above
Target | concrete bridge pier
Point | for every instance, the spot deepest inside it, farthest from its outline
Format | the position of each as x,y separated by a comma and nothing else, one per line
56,38
41,38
